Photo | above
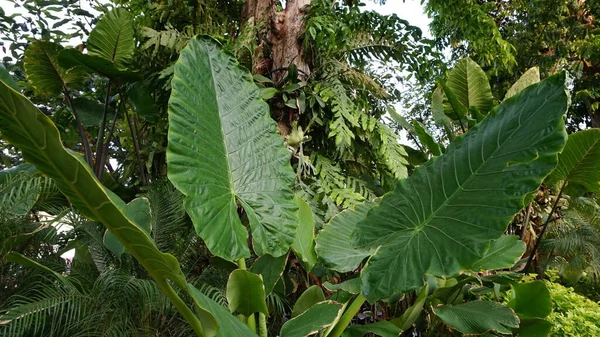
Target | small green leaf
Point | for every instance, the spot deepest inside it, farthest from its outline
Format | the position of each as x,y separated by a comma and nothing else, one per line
309,298
470,85
579,162
532,300
352,285
261,79
531,76
426,138
90,111
268,93
501,254
95,64
304,243
246,293
112,37
270,268
317,318
7,78
333,243
229,325
478,317
43,71
534,327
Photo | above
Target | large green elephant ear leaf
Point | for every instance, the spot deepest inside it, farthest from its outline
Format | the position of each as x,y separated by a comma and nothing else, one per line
470,85
579,163
440,220
112,37
224,153
333,242
24,126
47,77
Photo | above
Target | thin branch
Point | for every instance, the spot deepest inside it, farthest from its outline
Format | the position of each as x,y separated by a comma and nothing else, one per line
526,223
102,160
84,140
100,140
136,147
544,227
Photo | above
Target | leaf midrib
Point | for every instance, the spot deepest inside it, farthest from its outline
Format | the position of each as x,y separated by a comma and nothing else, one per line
223,136
425,224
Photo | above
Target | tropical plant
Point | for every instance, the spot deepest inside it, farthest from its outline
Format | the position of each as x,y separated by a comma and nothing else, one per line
249,194
207,196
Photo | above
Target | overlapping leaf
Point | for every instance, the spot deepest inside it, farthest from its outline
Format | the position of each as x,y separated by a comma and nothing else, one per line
470,85
579,163
478,317
531,76
318,318
112,37
333,244
23,125
224,152
43,71
440,220
500,254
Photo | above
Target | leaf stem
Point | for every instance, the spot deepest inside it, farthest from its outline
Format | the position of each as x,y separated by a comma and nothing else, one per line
183,309
84,140
262,325
544,227
136,147
100,139
241,263
347,316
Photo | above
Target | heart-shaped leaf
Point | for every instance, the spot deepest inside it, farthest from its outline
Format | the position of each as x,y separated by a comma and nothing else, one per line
441,219
224,153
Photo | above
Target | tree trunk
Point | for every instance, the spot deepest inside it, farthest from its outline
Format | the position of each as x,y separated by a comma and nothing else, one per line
282,39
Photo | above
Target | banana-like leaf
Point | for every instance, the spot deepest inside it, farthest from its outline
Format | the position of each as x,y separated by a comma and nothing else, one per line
112,37
440,220
224,152
470,85
579,163
43,71
333,242
24,126
304,243
317,318
246,293
502,253
478,317
531,76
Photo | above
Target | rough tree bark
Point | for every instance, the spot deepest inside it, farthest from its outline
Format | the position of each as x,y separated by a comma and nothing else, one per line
282,40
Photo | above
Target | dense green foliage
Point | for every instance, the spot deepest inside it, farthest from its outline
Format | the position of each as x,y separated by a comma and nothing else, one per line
206,188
